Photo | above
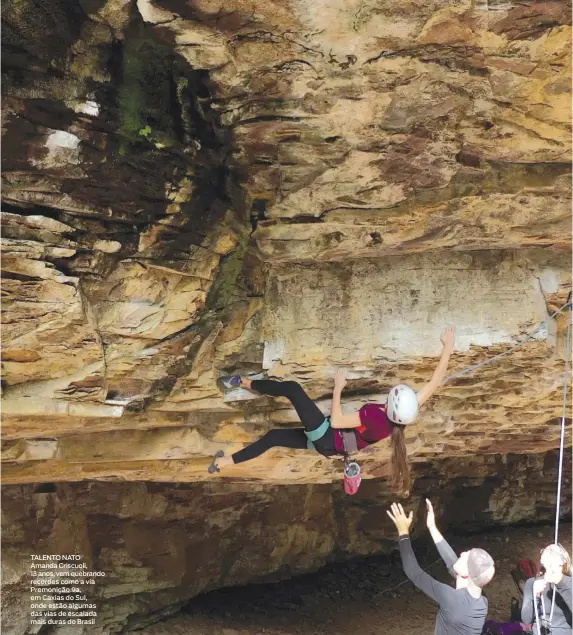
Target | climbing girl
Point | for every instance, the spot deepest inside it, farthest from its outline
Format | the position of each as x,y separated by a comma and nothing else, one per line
372,423
547,599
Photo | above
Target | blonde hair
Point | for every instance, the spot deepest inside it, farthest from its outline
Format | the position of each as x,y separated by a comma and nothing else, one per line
559,550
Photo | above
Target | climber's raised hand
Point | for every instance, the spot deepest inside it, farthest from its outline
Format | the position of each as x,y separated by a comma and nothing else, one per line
448,337
340,379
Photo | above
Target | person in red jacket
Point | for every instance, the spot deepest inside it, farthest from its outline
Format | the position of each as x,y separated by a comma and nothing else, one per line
372,423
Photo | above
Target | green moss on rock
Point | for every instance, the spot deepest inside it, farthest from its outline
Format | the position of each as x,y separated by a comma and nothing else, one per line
225,284
148,93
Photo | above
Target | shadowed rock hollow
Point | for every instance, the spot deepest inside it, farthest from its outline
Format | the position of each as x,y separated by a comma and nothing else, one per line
197,187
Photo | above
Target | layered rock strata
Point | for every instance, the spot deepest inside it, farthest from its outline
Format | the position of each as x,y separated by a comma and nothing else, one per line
196,188
161,544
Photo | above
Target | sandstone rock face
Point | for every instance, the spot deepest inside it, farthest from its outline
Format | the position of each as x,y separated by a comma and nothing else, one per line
403,168
196,188
161,544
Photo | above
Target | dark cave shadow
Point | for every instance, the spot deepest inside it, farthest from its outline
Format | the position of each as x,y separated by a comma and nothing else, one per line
344,589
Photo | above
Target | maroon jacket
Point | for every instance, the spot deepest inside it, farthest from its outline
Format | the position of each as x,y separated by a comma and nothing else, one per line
375,427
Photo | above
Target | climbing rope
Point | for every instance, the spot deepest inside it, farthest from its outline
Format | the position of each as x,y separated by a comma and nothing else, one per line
545,622
545,323
563,416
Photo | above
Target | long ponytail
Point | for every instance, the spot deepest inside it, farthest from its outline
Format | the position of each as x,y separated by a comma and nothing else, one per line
400,479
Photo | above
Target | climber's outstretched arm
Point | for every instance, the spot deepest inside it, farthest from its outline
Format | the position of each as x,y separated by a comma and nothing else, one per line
337,418
448,555
448,338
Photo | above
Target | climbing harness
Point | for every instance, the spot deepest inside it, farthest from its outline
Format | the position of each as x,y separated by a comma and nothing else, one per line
315,435
352,476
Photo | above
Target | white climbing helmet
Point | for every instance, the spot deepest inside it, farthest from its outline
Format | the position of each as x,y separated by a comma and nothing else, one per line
402,405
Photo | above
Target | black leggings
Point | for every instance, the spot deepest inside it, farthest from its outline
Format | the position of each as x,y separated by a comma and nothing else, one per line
308,412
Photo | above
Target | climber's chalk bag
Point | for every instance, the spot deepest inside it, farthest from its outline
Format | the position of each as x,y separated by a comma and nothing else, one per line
352,476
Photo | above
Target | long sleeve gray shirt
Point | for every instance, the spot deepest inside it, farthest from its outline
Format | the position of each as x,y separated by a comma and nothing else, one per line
449,556
459,612
561,621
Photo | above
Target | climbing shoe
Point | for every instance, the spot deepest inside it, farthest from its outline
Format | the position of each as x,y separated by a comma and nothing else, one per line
228,382
213,467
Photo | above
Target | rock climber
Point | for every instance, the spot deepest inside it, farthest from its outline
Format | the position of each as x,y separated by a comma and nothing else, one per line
463,610
372,423
547,598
